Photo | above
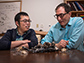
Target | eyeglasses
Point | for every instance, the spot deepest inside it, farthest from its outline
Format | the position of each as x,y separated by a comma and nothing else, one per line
59,15
25,21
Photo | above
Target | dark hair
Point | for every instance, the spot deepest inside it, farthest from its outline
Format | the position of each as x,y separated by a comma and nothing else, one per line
17,17
66,7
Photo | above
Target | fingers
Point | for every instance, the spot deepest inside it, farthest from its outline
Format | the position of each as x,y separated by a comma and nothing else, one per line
29,41
67,42
25,45
26,41
63,43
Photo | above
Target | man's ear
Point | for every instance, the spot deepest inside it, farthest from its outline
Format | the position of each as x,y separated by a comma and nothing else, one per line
17,24
70,13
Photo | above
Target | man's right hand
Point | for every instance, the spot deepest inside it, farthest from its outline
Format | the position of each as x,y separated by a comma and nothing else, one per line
62,44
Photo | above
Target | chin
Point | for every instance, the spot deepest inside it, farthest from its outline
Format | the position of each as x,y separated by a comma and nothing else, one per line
26,29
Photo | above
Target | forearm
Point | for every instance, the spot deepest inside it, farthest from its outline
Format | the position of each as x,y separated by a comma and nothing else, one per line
19,43
16,43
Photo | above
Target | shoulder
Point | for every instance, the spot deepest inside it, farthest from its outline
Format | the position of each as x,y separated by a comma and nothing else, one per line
77,19
11,30
55,26
76,22
32,30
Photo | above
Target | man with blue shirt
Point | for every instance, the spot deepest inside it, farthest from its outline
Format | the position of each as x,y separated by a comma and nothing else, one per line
68,32
21,36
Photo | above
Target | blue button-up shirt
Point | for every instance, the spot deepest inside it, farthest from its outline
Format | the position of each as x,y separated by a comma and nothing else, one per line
73,32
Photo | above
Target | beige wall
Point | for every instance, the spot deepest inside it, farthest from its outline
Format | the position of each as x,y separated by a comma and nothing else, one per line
9,0
41,12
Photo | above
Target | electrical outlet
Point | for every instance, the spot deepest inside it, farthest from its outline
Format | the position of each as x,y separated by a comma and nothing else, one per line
49,25
37,25
41,26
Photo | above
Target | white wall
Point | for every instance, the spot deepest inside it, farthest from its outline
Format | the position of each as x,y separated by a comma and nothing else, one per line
41,12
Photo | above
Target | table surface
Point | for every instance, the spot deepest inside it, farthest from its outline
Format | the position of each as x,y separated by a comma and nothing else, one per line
70,56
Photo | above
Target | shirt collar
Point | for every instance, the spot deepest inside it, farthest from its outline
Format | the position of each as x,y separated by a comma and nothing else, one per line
69,24
70,21
19,34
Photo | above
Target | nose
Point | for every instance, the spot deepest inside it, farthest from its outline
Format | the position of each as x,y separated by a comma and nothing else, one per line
27,22
59,18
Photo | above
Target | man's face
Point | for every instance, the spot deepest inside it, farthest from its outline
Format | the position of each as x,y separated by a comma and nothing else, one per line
24,23
62,16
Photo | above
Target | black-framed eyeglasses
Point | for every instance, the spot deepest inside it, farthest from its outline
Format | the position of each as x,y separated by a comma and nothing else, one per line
61,15
25,21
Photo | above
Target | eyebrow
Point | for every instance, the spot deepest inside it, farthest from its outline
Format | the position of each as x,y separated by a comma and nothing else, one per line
26,19
60,13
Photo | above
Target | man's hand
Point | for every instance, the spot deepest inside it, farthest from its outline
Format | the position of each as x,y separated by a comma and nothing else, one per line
62,44
19,43
25,45
26,41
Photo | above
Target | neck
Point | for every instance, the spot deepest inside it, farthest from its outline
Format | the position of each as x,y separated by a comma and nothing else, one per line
63,26
20,32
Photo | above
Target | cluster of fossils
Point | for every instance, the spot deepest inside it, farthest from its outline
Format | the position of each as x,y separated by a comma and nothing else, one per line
46,47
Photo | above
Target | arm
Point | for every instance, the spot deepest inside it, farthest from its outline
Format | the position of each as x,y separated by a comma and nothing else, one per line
33,38
19,43
5,41
47,38
76,37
